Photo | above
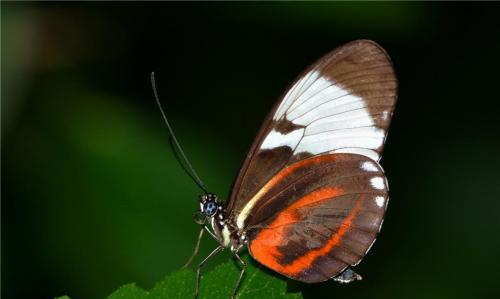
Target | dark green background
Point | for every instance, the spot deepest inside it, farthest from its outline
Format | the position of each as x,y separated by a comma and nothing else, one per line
92,197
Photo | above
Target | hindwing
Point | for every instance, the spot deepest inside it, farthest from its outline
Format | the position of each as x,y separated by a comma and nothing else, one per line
318,216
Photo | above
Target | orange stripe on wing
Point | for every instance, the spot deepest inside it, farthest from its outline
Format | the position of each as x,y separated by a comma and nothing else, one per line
290,169
276,179
265,246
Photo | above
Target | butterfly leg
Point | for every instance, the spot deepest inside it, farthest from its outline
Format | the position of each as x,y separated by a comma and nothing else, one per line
197,247
198,270
242,273
195,252
347,276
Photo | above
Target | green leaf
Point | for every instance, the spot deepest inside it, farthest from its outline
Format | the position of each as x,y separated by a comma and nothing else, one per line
216,284
129,291
179,284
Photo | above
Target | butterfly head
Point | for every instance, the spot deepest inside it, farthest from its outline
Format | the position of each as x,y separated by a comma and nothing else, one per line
209,207
209,204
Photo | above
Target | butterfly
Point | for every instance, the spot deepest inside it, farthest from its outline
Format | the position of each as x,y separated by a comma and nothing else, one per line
310,197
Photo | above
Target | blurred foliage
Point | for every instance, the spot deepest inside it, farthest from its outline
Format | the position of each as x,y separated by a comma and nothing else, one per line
93,198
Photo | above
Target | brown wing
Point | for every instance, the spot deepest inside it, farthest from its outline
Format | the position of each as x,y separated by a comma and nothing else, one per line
318,216
341,104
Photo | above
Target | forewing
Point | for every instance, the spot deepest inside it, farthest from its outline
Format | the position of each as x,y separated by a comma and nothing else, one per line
318,216
341,104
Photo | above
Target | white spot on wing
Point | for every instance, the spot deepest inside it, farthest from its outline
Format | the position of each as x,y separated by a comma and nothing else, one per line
377,183
350,119
369,166
334,106
276,139
319,91
335,120
297,89
368,138
379,200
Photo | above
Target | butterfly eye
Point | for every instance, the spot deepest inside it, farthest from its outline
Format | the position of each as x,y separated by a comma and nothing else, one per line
210,208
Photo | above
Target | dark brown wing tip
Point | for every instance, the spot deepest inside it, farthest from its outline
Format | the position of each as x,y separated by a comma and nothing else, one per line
369,43
378,47
357,44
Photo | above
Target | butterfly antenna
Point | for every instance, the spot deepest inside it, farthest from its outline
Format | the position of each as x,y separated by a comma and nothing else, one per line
174,144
